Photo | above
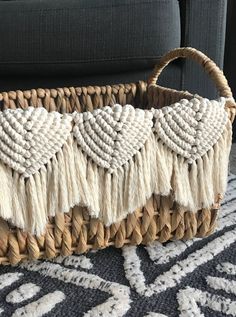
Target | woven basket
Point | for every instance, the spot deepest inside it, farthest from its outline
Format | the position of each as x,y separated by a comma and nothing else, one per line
160,219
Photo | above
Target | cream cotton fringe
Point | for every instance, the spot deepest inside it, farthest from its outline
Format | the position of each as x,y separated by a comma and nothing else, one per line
72,178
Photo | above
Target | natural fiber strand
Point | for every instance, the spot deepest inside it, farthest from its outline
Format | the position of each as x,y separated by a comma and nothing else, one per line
71,177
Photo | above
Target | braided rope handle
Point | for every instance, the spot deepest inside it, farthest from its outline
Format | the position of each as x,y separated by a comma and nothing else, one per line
209,66
214,72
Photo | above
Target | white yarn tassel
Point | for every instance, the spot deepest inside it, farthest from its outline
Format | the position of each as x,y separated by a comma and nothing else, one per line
73,187
22,204
62,188
63,203
193,181
121,212
203,202
225,144
40,195
69,175
44,184
196,185
106,196
181,183
111,196
52,188
208,166
149,166
140,170
5,192
36,217
112,214
81,166
164,167
93,186
126,168
19,204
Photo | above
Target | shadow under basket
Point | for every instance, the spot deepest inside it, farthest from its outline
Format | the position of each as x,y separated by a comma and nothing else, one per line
160,219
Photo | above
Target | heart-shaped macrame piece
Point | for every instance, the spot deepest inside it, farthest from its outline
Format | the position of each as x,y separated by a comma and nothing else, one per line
29,138
112,135
191,128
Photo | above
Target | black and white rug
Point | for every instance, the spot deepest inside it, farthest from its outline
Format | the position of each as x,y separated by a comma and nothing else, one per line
187,279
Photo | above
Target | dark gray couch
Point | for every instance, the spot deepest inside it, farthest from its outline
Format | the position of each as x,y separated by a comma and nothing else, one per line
53,43
230,50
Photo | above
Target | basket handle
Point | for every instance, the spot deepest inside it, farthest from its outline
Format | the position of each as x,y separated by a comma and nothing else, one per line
209,66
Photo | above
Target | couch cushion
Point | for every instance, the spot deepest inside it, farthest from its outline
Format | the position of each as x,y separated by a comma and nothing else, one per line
86,36
171,77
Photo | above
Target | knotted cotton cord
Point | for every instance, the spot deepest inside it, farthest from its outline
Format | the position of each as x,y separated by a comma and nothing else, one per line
111,160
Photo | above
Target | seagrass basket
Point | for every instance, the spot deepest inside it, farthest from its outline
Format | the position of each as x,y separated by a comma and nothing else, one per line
160,219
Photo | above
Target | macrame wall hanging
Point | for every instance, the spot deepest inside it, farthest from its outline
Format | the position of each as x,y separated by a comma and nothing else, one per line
111,160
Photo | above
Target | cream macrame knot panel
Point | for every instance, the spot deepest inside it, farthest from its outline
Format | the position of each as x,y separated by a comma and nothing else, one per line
191,128
111,160
112,136
29,138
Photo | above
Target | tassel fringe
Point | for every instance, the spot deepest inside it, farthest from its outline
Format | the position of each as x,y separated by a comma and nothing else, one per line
71,178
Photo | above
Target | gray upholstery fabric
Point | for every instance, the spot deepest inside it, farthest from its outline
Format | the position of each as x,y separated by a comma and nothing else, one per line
45,43
171,77
205,23
230,46
230,50
87,36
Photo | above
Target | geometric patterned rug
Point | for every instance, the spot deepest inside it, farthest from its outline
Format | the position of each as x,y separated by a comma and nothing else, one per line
193,278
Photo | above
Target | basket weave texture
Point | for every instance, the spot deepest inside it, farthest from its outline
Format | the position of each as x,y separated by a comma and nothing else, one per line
160,219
